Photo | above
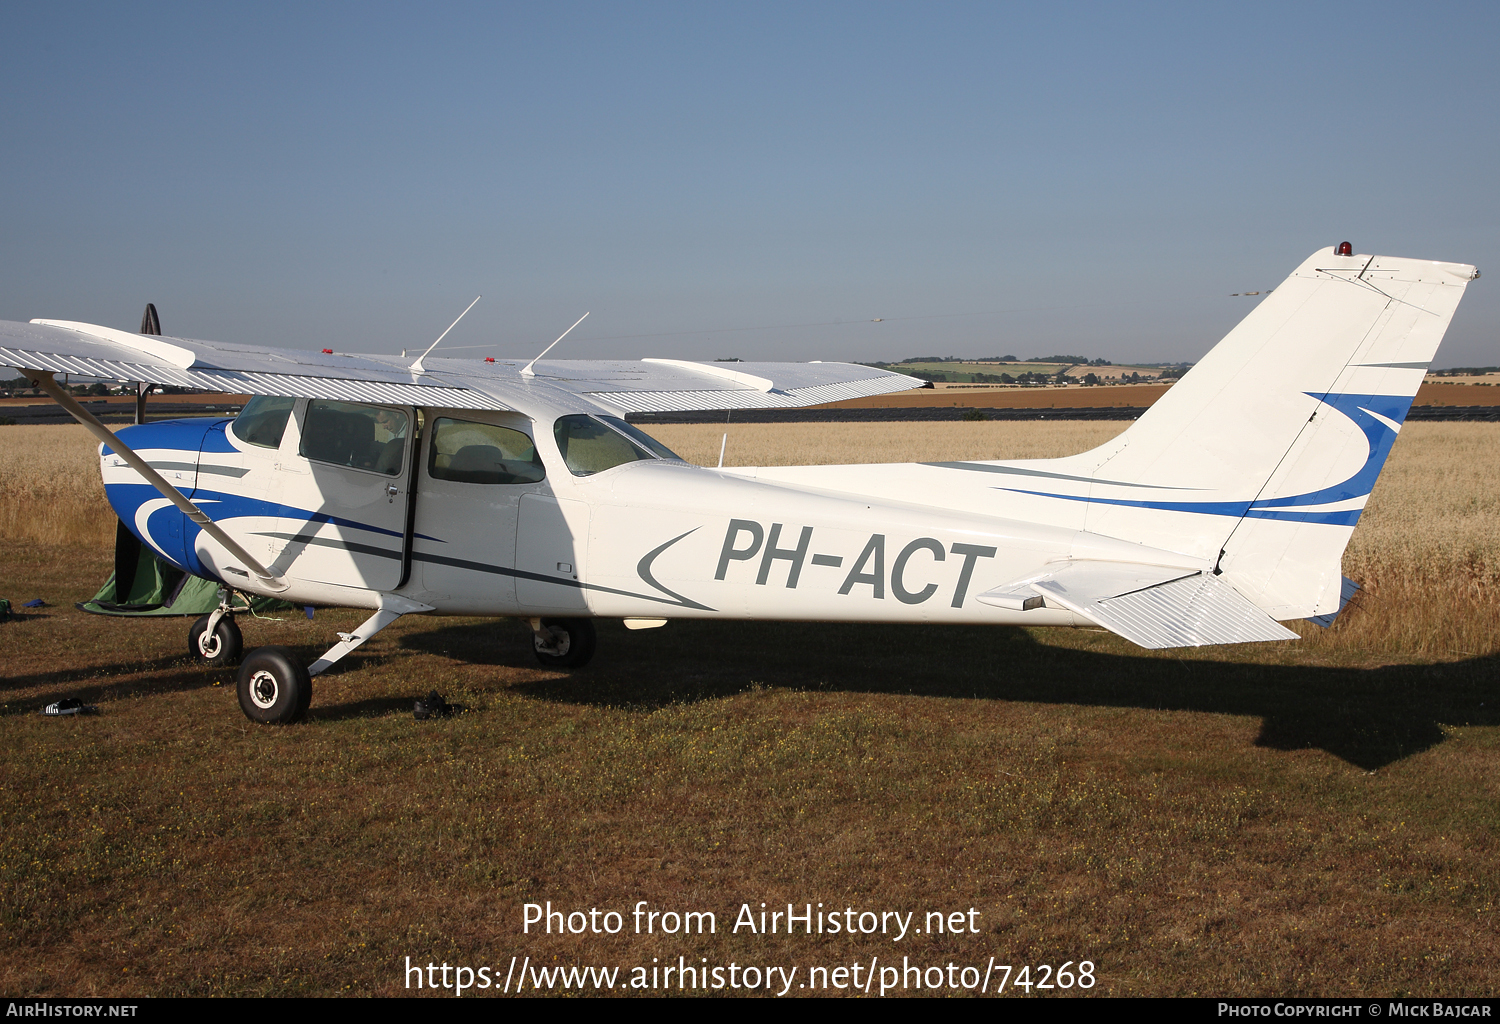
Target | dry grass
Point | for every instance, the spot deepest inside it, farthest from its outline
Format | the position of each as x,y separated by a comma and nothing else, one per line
1427,548
1310,819
50,492
1433,515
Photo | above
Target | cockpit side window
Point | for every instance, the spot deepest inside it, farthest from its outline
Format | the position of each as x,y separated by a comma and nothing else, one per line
263,420
366,437
589,446
482,453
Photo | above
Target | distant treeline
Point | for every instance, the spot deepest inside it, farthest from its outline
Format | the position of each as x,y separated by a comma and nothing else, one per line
95,388
1030,377
1076,360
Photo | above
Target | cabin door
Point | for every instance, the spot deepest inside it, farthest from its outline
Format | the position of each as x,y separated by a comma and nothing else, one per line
343,494
476,470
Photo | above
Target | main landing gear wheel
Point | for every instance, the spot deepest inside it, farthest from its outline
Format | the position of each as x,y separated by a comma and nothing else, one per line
274,686
221,647
564,643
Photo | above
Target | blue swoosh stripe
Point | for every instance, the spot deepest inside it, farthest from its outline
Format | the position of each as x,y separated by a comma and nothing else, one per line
1364,410
234,506
1236,509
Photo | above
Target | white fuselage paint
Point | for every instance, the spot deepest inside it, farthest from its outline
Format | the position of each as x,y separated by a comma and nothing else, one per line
644,539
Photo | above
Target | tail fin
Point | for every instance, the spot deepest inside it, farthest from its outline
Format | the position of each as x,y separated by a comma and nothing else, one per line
1262,457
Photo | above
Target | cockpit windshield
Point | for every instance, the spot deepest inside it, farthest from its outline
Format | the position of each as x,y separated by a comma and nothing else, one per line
263,420
642,438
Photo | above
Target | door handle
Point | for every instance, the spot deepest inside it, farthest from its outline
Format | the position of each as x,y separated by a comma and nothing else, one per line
391,491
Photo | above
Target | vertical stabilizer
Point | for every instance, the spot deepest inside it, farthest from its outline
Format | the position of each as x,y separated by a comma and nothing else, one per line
1262,457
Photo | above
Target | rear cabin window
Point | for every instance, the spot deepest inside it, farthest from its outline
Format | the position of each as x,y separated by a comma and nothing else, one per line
589,445
482,453
366,437
263,420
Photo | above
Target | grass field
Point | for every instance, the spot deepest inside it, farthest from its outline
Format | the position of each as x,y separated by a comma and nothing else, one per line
1301,818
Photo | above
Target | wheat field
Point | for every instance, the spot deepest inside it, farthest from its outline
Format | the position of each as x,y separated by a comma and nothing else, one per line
50,491
1427,549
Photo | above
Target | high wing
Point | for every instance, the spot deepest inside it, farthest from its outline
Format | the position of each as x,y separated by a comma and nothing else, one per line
616,386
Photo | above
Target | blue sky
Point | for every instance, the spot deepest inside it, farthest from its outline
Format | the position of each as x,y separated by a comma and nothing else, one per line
1094,179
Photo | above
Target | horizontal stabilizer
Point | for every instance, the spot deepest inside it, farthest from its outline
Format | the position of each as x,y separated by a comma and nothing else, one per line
1084,580
1149,605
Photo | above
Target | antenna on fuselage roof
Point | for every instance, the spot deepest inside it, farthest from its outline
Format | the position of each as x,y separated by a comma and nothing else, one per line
526,370
417,366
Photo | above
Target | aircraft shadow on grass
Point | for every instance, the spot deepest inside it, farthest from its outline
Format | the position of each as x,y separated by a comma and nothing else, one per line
96,683
1368,717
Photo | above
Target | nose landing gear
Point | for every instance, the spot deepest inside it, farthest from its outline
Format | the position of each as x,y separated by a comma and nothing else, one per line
214,638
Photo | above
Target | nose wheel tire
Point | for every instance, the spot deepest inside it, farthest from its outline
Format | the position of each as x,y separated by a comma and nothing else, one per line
564,643
221,647
274,687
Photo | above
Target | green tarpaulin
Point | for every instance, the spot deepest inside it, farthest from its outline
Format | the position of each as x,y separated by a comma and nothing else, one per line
142,584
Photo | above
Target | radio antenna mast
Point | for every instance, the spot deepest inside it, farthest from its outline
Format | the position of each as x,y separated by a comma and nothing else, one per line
417,366
526,370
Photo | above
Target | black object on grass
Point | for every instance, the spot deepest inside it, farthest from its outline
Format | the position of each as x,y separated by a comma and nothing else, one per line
431,706
434,706
69,706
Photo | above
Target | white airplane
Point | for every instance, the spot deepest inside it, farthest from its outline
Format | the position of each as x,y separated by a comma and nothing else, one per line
461,487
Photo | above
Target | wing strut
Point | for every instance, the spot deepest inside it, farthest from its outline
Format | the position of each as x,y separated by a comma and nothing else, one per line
391,608
43,379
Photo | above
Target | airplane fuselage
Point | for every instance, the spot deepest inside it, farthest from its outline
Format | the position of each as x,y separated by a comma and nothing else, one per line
648,538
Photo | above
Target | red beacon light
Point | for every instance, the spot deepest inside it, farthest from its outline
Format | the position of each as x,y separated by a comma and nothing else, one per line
328,351
1344,249
489,359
